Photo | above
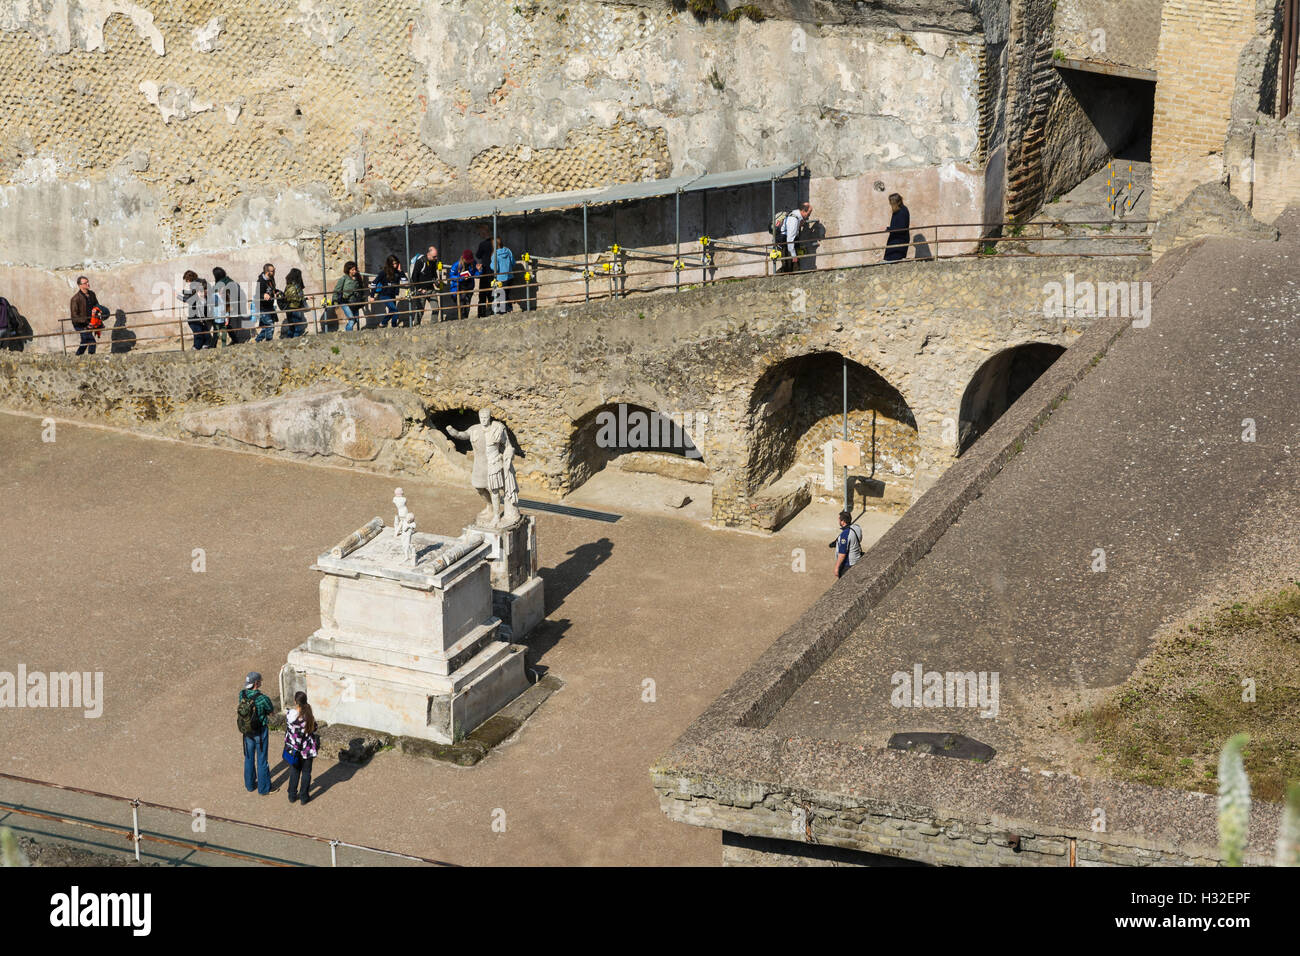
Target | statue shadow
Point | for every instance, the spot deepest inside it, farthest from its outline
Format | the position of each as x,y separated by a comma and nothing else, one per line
569,574
540,640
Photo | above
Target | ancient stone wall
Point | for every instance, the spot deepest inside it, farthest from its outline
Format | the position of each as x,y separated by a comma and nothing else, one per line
1120,32
143,138
1201,42
925,328
1262,151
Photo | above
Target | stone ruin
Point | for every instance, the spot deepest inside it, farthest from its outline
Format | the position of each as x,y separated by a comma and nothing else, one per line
416,629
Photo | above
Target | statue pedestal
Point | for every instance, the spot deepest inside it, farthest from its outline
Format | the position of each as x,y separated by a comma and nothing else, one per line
407,649
517,593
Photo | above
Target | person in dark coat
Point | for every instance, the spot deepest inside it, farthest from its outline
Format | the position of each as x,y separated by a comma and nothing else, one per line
483,258
83,300
900,225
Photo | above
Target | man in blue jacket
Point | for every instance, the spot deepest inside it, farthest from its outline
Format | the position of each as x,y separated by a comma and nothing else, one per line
503,268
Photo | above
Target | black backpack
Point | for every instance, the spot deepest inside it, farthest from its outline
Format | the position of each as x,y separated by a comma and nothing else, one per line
250,725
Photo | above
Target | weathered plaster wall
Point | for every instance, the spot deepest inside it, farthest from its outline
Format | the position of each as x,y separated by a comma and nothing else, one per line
135,134
925,328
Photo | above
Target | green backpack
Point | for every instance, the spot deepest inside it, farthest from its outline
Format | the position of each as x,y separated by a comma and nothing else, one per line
249,724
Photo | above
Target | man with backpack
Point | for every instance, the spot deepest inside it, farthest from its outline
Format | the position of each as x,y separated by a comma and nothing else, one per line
786,231
848,546
253,717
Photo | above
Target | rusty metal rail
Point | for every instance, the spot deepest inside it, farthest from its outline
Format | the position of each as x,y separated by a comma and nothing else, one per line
134,835
322,315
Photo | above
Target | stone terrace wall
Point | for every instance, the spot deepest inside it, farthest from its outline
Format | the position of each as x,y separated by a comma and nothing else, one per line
152,136
925,327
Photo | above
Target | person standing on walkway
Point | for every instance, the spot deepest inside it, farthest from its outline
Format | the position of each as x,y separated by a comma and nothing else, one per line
848,546
267,294
463,274
83,301
503,268
900,227
300,744
388,283
424,285
195,297
483,258
254,715
225,304
791,227
349,292
295,305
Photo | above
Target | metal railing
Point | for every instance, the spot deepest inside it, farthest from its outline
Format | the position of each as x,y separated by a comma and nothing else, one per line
611,274
98,822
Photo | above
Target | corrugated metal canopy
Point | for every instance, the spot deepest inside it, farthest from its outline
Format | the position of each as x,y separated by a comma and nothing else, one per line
742,177
592,197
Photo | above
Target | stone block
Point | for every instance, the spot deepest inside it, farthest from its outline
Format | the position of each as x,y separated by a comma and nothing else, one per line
520,610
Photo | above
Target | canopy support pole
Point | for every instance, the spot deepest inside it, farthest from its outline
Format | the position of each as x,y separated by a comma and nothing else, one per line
677,247
586,259
324,282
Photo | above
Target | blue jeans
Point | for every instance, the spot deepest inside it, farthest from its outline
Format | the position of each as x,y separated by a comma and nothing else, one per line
351,313
295,324
201,335
266,325
256,746
87,339
388,310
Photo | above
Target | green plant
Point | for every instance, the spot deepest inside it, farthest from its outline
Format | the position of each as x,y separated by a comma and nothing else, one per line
1058,54
716,80
1288,831
334,349
1234,802
11,854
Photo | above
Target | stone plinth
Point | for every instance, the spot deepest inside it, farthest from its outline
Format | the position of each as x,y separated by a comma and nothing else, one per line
517,592
407,649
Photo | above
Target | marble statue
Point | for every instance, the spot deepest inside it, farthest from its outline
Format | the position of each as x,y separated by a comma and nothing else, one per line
404,527
493,476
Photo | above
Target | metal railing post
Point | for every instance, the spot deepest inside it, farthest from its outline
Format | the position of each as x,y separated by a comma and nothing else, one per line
334,854
135,827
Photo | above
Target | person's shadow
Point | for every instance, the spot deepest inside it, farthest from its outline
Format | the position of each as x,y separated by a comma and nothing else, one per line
121,339
561,580
20,331
921,248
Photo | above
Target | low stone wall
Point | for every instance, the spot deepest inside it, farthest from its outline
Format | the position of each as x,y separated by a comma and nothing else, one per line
925,327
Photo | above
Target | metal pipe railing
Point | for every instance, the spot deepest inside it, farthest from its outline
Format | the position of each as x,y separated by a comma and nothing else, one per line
135,834
445,305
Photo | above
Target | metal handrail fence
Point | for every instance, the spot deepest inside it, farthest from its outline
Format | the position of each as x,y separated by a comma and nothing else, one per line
926,243
78,816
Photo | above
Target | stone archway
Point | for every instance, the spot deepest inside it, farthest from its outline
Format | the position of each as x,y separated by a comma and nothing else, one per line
796,406
640,439
998,383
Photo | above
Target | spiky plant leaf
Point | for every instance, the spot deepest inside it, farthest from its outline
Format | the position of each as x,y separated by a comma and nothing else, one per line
1234,802
11,853
1288,831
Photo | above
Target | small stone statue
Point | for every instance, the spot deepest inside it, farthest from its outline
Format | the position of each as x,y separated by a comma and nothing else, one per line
404,527
493,476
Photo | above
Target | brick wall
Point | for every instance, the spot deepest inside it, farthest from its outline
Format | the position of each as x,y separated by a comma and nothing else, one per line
1200,44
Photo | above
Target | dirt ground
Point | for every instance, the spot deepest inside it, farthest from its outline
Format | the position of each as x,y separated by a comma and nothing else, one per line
103,531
